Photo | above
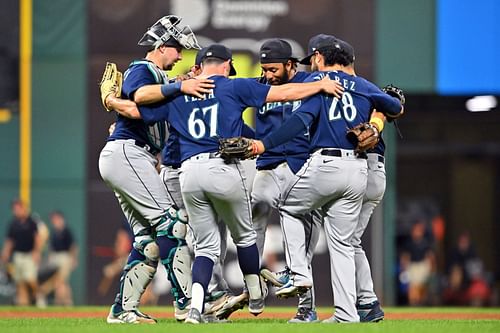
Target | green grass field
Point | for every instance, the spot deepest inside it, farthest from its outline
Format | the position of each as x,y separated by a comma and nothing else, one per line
91,320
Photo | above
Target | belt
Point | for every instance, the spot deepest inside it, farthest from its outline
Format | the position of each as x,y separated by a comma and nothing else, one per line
173,166
380,158
204,156
342,153
148,148
271,166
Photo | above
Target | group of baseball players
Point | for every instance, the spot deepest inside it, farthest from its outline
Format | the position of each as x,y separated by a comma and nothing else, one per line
307,169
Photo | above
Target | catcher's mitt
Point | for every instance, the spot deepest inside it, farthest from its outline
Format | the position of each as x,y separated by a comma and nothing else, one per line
111,83
365,136
395,92
236,148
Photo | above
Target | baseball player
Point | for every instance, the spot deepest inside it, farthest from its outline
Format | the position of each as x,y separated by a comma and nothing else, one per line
213,187
170,169
277,168
334,178
368,306
127,163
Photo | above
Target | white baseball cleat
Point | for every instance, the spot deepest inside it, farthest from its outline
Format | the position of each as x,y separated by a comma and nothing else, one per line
232,304
129,317
194,317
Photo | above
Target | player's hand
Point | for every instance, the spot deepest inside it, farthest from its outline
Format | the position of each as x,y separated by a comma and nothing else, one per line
257,148
111,128
197,86
331,87
184,77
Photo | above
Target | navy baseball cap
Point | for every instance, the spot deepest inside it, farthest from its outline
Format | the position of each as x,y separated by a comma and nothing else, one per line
318,42
221,52
199,56
347,50
276,51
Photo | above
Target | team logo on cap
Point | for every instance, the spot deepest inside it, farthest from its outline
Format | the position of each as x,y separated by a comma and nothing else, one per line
263,55
209,54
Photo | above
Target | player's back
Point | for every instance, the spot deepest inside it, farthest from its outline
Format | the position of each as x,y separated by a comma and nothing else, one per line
335,115
202,122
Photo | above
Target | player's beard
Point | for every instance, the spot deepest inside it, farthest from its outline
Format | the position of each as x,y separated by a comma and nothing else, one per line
280,80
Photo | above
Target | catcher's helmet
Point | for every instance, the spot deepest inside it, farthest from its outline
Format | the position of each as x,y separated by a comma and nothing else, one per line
166,31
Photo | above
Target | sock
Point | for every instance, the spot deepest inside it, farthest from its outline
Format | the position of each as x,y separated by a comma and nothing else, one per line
248,258
202,273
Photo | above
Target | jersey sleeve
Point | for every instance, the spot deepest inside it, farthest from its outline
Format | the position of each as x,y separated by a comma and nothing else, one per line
153,113
136,77
309,109
383,102
248,132
250,92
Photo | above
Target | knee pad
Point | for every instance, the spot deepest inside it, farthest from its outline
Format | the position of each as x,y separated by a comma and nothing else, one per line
152,251
173,225
182,216
147,247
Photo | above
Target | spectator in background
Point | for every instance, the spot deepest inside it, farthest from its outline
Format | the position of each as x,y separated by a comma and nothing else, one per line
466,283
64,256
418,261
121,249
22,248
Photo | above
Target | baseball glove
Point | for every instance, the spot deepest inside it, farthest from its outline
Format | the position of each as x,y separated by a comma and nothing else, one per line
395,92
236,148
365,136
111,83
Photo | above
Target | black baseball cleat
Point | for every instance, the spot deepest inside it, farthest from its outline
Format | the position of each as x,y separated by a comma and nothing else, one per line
370,313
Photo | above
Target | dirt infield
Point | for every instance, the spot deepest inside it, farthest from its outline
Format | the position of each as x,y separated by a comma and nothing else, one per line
246,315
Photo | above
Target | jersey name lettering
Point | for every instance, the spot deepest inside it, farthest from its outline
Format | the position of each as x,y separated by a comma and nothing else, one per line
206,96
347,84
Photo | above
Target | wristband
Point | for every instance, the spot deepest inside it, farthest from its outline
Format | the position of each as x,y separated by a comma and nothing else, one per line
379,123
171,89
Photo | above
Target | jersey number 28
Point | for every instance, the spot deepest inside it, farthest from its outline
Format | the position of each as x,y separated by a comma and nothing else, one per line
348,108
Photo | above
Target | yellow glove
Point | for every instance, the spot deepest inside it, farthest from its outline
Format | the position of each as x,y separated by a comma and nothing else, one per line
111,83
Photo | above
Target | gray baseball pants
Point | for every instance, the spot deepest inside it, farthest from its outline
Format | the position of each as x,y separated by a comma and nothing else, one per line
336,186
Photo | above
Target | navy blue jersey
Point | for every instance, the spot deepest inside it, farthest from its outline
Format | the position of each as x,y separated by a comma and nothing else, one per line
270,117
171,153
200,123
138,74
380,147
332,116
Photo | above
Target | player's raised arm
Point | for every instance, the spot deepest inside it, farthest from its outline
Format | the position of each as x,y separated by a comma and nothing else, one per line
157,92
295,91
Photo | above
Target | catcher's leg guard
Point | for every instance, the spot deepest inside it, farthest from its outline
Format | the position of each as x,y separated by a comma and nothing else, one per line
174,254
138,273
